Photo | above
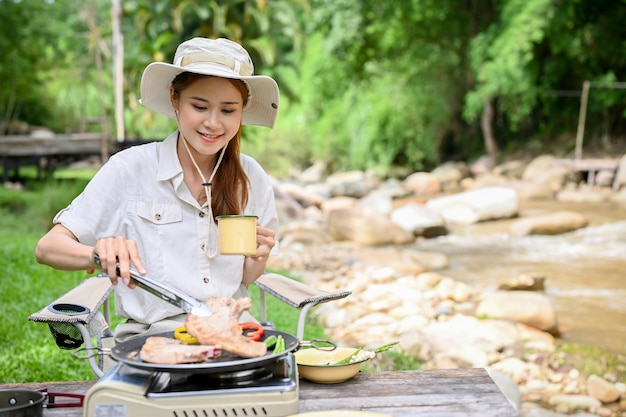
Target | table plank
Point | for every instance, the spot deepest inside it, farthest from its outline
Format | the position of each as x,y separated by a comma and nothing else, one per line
435,393
452,392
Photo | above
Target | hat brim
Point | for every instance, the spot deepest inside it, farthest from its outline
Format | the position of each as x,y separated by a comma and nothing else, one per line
262,107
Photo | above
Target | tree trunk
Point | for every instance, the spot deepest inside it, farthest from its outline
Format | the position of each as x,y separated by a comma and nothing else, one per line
118,69
94,27
486,124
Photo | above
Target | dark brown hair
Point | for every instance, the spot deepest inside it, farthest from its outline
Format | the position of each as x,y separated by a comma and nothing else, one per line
230,184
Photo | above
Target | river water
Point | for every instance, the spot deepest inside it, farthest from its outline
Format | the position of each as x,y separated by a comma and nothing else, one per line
585,270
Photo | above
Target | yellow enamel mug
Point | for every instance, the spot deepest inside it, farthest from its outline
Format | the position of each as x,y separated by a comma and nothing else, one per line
237,234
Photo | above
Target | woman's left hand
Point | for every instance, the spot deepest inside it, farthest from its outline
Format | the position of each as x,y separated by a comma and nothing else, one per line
264,242
254,266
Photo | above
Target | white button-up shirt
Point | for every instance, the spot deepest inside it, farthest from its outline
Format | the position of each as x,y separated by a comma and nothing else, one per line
140,194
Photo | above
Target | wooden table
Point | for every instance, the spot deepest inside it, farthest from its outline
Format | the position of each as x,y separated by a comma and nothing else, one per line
436,393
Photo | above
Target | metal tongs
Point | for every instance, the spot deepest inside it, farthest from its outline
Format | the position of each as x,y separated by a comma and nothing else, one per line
173,296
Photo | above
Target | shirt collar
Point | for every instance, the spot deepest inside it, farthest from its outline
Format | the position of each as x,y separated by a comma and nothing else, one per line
169,164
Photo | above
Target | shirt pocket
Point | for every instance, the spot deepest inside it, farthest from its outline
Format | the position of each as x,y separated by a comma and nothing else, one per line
159,213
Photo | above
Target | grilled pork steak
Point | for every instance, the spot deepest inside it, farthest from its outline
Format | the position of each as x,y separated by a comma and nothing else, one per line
164,350
222,329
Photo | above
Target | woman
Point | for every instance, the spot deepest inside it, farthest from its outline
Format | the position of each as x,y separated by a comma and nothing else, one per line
154,206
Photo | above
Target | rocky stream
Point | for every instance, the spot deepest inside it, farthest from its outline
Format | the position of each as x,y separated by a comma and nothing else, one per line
473,266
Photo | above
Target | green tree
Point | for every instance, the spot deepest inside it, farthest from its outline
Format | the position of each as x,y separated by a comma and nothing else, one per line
385,85
586,42
457,78
503,60
47,66
535,55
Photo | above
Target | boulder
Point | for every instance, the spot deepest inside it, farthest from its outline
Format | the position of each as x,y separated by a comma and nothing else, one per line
602,389
450,175
511,169
571,402
469,342
529,191
417,219
352,183
314,173
302,195
550,224
423,183
543,170
529,281
367,227
473,206
400,262
336,203
531,308
482,165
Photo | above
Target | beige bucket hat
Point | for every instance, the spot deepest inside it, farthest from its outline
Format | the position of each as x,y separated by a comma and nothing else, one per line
219,57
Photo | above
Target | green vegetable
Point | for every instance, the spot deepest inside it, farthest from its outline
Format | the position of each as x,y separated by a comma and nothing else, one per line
270,341
346,361
385,347
280,345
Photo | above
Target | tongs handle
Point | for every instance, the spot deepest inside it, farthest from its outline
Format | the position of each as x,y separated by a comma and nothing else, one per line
165,292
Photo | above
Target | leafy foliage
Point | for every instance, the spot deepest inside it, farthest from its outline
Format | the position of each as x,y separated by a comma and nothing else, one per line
30,60
533,58
376,82
503,59
365,84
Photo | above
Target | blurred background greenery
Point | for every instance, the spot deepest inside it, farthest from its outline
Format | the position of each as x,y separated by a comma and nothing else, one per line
366,84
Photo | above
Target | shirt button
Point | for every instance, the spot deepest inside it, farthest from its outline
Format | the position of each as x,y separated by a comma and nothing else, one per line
201,214
206,280
157,216
202,247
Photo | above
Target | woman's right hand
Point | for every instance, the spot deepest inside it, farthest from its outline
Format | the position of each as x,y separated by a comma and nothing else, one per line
116,255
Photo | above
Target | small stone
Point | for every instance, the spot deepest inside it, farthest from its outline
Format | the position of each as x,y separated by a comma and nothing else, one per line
574,373
555,377
602,389
565,403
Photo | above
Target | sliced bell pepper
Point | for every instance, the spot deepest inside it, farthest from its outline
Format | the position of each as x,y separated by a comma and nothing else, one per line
252,330
182,335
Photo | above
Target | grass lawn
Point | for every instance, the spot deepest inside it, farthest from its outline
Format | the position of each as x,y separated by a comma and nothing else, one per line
27,349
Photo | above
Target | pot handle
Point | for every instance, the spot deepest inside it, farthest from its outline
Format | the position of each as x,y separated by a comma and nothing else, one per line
52,397
89,353
319,344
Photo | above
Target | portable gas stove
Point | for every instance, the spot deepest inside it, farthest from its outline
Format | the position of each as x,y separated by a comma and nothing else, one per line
269,390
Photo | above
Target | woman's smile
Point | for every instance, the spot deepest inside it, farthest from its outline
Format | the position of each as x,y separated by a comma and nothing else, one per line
212,138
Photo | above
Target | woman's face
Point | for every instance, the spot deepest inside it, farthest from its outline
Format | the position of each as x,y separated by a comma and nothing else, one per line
209,113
